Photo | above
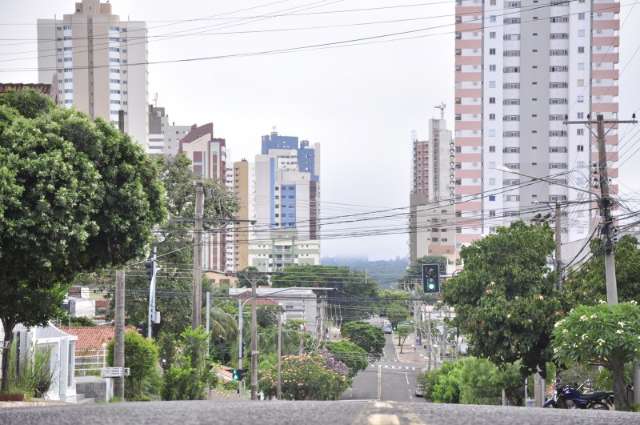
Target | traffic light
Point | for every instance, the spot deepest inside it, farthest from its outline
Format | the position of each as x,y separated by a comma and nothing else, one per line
148,265
237,374
431,278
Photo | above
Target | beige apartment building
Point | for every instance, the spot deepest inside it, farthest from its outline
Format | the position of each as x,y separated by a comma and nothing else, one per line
98,64
239,183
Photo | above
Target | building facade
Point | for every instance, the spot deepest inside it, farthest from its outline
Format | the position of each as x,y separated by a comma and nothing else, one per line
240,183
432,226
98,63
287,204
521,69
164,138
208,156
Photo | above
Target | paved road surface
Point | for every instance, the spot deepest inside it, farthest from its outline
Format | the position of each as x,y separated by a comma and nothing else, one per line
307,413
387,379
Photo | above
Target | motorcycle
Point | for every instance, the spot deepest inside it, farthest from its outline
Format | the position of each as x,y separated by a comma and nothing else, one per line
571,397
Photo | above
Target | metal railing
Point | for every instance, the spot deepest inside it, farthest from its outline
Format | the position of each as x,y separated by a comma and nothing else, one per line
90,362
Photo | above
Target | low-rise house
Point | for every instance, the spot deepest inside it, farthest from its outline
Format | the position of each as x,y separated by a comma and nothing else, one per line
61,347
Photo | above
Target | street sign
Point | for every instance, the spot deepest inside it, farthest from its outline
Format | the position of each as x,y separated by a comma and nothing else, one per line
431,278
115,372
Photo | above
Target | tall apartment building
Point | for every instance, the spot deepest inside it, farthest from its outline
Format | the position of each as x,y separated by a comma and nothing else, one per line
432,226
208,156
164,138
287,204
521,68
240,183
98,64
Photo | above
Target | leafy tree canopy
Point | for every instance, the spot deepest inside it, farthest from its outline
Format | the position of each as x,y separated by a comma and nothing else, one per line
505,299
606,335
351,288
141,357
351,354
75,196
368,337
587,286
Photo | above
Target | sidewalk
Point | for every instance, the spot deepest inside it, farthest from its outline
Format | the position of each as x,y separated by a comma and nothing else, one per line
410,353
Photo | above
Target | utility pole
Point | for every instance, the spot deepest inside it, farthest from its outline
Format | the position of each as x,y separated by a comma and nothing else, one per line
279,387
254,342
208,319
240,328
118,390
558,237
604,204
152,268
429,339
196,319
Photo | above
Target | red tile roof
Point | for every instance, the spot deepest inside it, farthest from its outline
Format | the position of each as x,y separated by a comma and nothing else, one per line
91,337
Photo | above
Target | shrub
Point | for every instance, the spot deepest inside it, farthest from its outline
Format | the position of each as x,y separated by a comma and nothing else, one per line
305,377
141,357
190,373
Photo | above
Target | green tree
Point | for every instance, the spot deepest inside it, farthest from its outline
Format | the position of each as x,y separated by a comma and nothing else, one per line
189,376
397,312
504,298
75,196
174,242
586,285
141,357
403,329
604,335
346,284
305,377
368,337
351,354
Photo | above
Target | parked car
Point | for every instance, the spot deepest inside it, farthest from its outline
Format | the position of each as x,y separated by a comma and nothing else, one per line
419,392
387,329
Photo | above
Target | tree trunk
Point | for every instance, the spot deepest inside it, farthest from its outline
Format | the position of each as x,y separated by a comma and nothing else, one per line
619,388
8,337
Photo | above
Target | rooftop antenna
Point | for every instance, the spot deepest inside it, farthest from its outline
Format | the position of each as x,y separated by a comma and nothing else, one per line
442,106
155,100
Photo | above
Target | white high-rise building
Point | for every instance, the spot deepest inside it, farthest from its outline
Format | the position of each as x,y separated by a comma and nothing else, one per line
432,224
164,137
522,67
98,64
287,204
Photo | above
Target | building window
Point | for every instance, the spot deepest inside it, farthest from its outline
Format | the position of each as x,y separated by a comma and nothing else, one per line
492,148
492,213
580,49
492,35
492,117
581,16
580,148
492,198
492,51
492,67
580,132
492,84
492,100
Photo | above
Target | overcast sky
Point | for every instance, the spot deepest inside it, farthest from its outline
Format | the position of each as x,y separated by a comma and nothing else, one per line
360,103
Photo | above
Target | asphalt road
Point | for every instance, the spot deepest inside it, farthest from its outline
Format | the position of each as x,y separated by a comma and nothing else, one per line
307,413
385,380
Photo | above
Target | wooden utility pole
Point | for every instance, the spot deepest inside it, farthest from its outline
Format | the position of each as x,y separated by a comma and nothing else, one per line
558,237
196,319
118,358
254,342
279,385
604,204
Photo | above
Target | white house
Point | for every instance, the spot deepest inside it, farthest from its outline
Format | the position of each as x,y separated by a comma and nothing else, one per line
62,359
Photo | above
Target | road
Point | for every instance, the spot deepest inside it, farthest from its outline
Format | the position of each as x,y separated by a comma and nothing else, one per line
306,412
386,380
